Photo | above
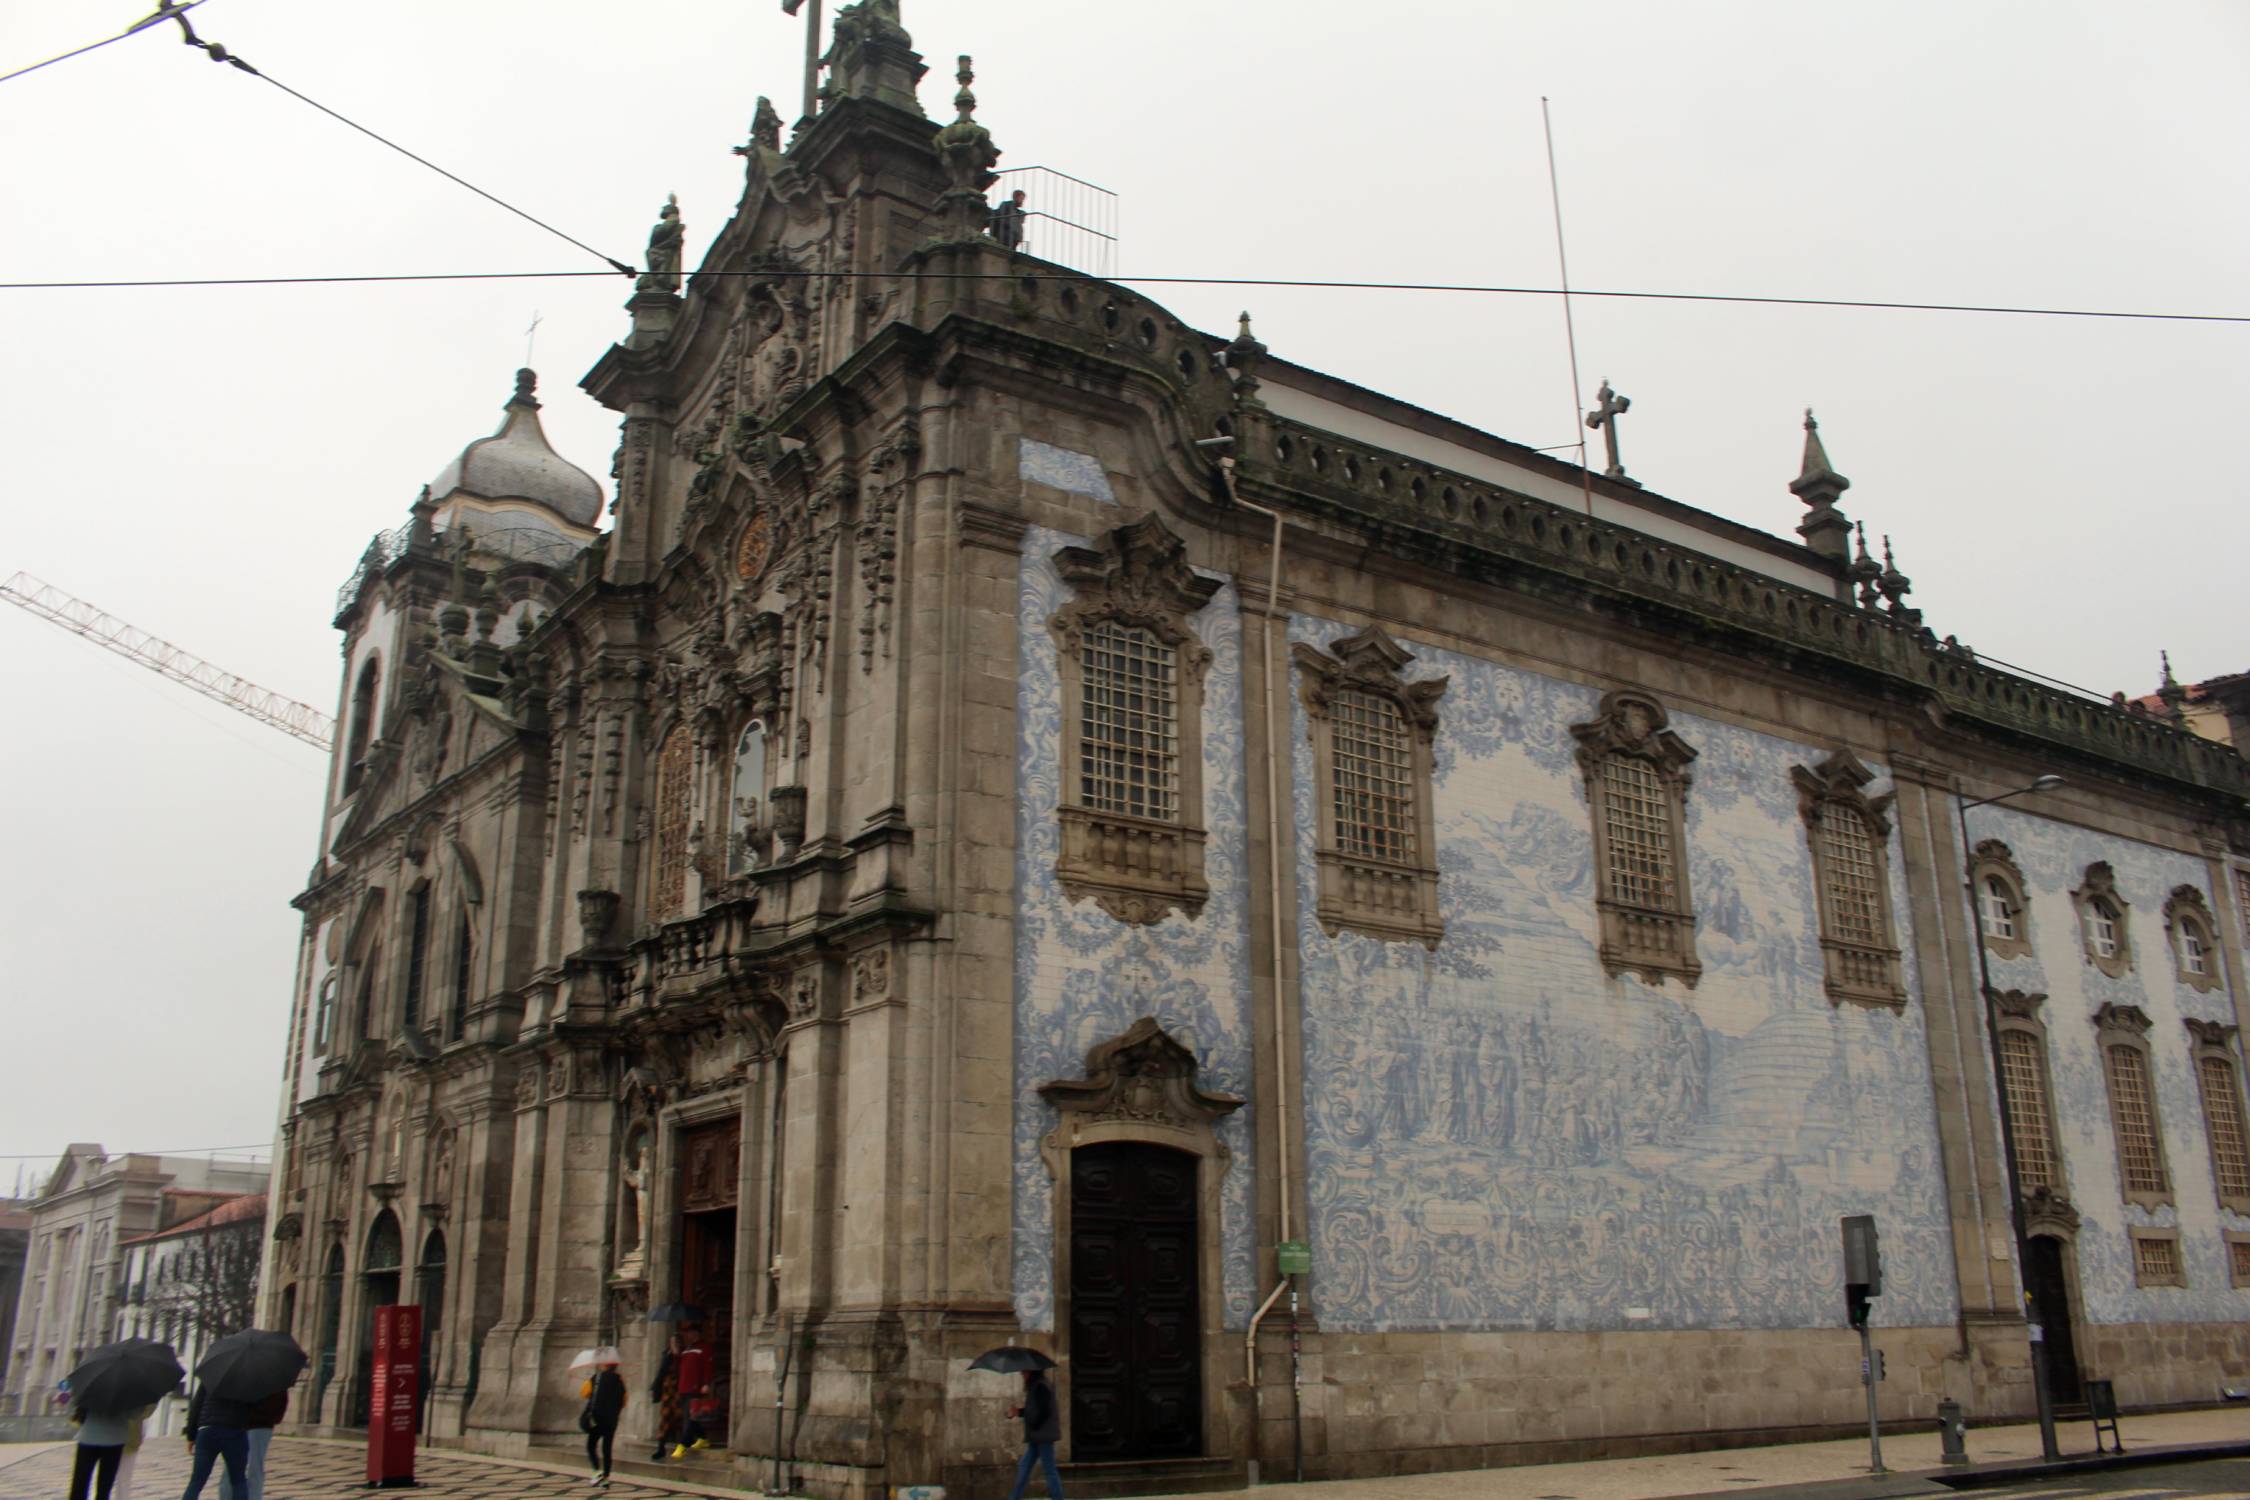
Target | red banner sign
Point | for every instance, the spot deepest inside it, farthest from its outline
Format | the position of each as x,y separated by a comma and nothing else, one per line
393,1400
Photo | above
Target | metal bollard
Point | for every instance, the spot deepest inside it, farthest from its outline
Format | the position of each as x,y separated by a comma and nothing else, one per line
1953,1424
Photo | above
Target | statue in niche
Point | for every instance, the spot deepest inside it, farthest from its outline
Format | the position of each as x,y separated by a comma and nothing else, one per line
441,1170
394,1140
632,1209
747,797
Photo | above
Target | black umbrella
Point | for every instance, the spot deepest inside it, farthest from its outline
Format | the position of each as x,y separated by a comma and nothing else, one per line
125,1376
1011,1359
251,1365
675,1312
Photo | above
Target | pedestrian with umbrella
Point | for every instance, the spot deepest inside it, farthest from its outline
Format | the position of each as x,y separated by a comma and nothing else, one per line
1041,1413
235,1386
604,1394
112,1390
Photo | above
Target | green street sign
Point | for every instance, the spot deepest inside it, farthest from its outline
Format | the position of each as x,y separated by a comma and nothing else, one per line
1293,1257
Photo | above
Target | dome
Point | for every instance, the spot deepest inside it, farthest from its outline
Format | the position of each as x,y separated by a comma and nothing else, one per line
516,463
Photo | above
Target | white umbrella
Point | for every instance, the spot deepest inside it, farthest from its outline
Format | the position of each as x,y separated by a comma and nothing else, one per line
604,1355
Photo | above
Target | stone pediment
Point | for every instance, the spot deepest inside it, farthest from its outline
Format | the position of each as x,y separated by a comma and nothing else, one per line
1144,1075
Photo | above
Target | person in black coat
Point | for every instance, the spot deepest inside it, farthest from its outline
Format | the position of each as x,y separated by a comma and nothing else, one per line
604,1405
219,1429
1042,1429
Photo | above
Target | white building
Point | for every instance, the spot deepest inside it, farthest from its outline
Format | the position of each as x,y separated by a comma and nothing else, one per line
192,1283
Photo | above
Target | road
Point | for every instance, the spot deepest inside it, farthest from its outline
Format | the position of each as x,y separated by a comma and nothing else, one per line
2222,1479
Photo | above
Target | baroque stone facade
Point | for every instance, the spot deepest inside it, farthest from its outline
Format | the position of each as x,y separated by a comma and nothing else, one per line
920,881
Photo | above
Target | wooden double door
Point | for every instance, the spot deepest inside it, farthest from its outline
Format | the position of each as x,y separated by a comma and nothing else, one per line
1136,1346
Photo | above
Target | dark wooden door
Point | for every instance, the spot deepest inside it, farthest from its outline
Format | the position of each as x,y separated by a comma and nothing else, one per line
2044,1280
707,1281
1136,1346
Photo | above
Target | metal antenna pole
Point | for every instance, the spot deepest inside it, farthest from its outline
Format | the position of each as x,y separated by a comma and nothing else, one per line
1570,327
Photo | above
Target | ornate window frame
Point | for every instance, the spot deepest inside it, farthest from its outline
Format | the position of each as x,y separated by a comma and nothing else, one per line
2211,1043
1655,941
2125,1028
2136,1236
672,767
1863,973
2097,896
1992,861
1389,900
2187,920
2016,1013
1137,869
2238,1257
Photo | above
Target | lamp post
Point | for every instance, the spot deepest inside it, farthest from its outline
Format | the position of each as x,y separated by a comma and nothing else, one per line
2040,1390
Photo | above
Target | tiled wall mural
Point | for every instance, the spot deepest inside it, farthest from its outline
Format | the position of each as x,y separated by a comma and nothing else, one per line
1500,1136
2053,858
1081,977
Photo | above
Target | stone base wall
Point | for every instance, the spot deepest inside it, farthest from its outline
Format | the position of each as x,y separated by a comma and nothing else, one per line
2166,1364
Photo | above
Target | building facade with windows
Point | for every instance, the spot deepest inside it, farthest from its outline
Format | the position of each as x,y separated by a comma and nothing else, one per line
1038,824
190,1284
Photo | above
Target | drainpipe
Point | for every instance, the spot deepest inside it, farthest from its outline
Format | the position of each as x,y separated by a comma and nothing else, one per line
1276,843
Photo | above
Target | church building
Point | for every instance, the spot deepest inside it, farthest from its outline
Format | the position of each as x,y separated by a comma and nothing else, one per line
1374,948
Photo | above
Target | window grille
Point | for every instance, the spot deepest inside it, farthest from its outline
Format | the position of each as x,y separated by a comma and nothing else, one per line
1855,886
2140,1161
2156,1260
2222,1116
2101,928
417,957
1129,733
675,769
1374,779
1999,911
2023,1069
2238,1254
1639,817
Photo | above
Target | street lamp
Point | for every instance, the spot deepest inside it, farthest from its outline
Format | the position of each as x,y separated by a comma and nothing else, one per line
2039,1387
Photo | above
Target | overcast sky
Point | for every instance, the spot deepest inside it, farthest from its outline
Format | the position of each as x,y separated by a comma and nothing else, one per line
2067,493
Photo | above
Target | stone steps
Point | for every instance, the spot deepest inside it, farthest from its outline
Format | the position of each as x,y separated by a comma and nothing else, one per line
1149,1476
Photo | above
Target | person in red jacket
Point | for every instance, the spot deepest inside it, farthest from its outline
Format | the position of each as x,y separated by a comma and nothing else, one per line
695,1374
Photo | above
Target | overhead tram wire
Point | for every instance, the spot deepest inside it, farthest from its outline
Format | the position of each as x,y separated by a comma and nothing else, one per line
218,53
164,13
1284,283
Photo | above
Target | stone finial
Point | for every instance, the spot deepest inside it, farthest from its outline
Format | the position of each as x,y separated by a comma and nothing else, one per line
1608,407
871,56
1895,586
421,534
1824,528
527,381
1865,571
1243,355
966,151
2169,692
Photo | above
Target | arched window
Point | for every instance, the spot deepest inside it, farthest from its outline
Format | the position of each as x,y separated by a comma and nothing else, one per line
2030,1100
2102,926
2135,1120
457,1021
1850,835
2187,922
417,956
2001,904
2212,1045
746,798
364,696
386,1249
675,781
429,1286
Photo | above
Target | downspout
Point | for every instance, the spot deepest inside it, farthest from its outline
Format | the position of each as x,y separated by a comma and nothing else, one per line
1276,829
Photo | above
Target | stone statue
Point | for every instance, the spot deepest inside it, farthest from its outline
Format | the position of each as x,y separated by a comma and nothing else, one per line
632,1208
765,125
664,251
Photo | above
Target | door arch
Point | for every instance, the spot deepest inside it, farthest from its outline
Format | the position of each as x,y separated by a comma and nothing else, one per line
379,1278
2047,1289
331,1323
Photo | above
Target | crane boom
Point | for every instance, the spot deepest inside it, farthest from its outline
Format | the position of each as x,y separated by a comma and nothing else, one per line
189,670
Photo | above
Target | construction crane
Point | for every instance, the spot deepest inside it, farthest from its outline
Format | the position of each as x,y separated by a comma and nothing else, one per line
80,618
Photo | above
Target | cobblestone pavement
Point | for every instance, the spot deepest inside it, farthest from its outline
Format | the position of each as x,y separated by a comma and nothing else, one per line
299,1467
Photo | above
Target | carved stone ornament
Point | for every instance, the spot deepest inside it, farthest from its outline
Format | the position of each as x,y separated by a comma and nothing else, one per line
1138,866
1377,865
2211,1034
1140,1085
1844,825
2128,1019
755,548
2018,1004
871,978
1647,913
1993,862
804,997
597,917
2046,1211
528,1076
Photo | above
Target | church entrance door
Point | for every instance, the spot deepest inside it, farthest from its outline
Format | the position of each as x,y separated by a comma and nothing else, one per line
1136,1347
711,1158
2049,1289
385,1260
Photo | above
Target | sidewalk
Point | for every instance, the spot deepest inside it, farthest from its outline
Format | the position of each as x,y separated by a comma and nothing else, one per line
1831,1467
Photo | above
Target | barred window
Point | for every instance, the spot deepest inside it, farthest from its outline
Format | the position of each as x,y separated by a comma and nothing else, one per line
1855,880
2238,1260
1374,779
1999,909
2156,1260
675,772
2140,1160
2222,1117
1129,732
2023,1069
1639,820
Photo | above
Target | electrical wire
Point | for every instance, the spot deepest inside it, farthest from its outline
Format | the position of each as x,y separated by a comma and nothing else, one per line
219,53
182,1151
1240,281
164,13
